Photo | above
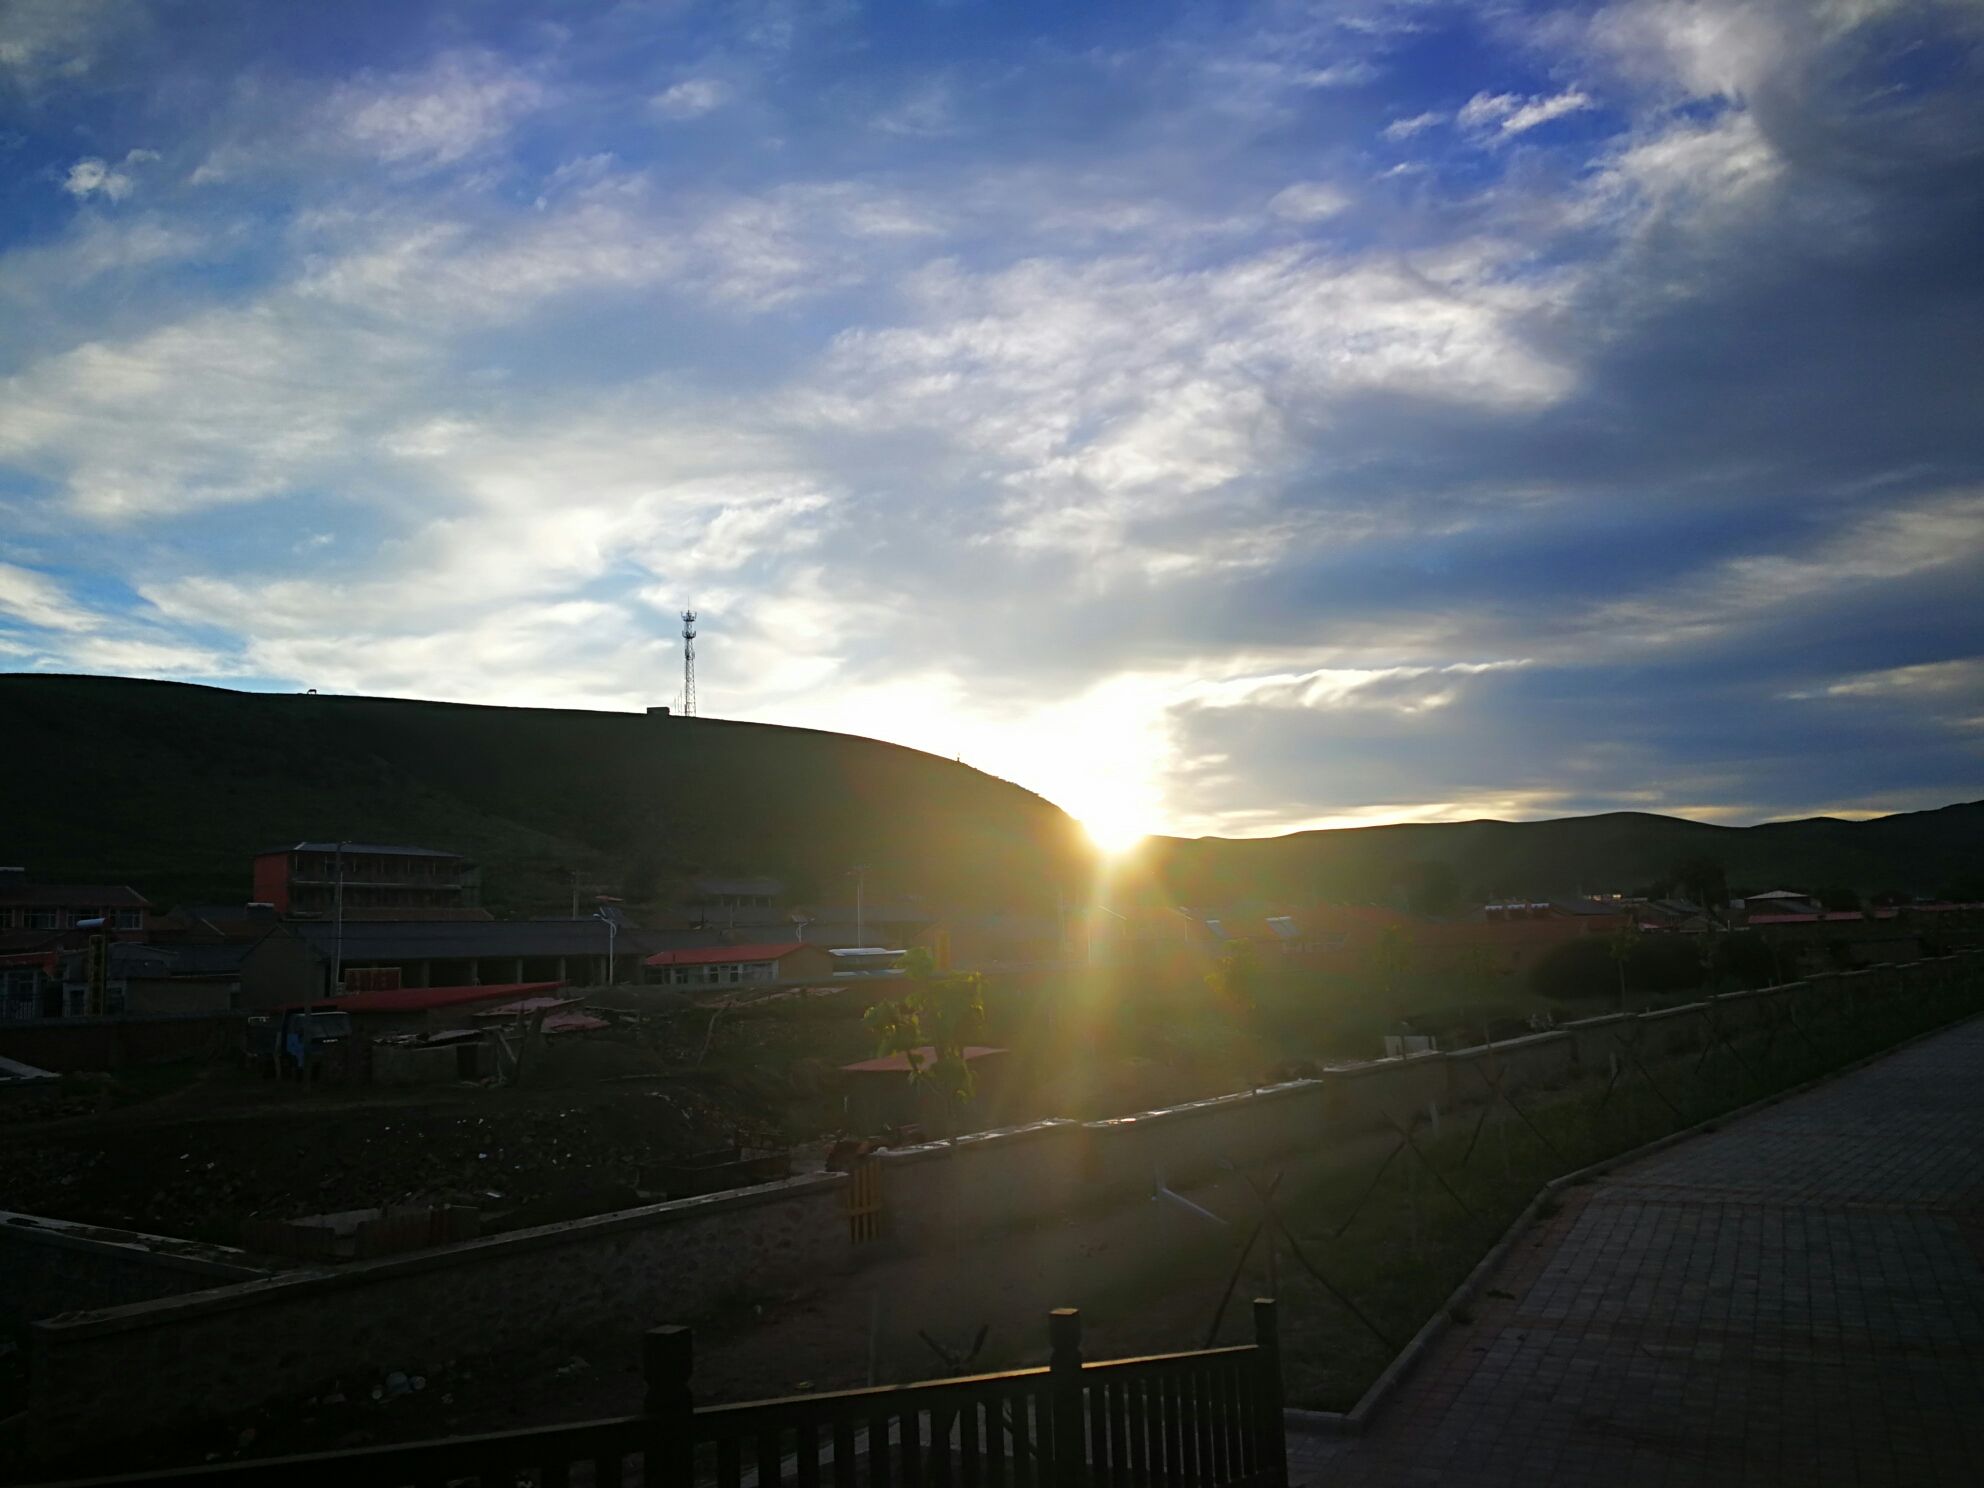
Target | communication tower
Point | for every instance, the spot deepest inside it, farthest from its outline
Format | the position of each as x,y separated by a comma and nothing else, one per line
688,663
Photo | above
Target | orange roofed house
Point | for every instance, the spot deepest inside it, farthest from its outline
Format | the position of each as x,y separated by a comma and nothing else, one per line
737,965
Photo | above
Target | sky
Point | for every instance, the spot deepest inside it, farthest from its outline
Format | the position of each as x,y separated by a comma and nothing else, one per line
1219,418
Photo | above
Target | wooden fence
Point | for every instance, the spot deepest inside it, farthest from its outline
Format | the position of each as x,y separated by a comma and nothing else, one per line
1207,1419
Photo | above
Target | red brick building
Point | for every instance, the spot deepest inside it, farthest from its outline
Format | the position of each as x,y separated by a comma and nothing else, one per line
304,878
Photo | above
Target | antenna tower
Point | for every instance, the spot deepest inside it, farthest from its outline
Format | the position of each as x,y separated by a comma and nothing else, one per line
688,663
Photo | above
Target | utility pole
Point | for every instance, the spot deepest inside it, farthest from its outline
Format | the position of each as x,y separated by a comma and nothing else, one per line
860,873
611,926
337,955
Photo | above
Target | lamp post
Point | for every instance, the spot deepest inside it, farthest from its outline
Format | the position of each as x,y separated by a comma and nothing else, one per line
337,954
612,926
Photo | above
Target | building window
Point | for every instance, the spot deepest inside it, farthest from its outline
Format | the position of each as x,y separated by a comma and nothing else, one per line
128,919
17,993
41,919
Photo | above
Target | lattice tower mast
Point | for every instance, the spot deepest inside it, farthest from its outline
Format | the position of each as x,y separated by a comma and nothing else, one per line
688,663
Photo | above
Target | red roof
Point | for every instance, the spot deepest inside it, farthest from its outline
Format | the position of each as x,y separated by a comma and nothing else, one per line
714,955
422,999
525,1005
898,1064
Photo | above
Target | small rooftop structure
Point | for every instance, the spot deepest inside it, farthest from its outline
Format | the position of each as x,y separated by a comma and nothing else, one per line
711,955
427,999
356,849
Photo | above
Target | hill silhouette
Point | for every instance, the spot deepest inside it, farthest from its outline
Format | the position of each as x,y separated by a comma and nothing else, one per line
172,787
1922,852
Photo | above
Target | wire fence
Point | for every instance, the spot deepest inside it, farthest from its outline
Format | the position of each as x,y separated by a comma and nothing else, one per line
1376,1250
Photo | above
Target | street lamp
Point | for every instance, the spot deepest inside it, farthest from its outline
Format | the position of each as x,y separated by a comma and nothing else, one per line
612,927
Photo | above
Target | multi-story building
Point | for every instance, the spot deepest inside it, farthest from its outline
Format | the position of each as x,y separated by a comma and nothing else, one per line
305,878
28,907
39,921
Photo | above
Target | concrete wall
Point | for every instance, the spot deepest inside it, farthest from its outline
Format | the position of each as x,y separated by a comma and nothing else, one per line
1022,1175
50,1266
551,1287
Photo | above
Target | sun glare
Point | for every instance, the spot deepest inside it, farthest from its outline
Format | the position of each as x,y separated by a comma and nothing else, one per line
1112,831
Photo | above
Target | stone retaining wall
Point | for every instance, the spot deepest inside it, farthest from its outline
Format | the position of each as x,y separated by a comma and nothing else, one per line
50,1266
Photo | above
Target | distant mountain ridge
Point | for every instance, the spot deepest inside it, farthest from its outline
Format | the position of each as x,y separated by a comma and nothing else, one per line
172,786
1920,852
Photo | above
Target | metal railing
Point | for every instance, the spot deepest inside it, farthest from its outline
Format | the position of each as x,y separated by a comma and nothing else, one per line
1207,1419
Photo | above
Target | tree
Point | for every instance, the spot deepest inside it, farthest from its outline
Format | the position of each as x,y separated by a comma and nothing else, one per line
1235,979
1391,957
1432,888
1624,944
1702,879
939,1014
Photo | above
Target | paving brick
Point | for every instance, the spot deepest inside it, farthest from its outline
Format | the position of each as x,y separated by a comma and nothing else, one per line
1796,1298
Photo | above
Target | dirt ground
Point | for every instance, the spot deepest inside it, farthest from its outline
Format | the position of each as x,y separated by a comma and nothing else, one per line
198,1160
1147,1276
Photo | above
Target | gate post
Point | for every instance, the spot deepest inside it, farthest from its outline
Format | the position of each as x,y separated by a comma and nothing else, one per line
668,1455
1268,1425
1064,1332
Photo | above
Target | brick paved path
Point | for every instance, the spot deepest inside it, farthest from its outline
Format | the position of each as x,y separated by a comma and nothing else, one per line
1796,1299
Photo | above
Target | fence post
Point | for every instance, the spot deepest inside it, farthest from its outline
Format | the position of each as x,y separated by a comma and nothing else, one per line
1064,1332
668,1456
1268,1425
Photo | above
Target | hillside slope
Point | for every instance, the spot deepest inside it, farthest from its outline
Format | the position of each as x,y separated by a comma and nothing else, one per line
172,787
1925,852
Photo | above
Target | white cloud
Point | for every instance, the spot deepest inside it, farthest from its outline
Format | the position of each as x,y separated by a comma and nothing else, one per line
38,600
1400,129
691,98
1392,689
458,104
43,41
223,406
92,176
1309,201
1899,542
1510,114
1117,392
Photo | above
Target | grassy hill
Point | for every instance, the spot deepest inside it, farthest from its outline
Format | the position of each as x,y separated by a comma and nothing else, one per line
1925,852
172,787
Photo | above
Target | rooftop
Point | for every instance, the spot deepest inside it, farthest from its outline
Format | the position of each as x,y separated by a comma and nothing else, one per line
424,999
392,940
722,954
377,849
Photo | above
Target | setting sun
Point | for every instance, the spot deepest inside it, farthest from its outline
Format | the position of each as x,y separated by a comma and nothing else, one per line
1111,830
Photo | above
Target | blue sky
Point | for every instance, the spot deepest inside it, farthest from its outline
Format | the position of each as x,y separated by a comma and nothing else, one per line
1216,417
